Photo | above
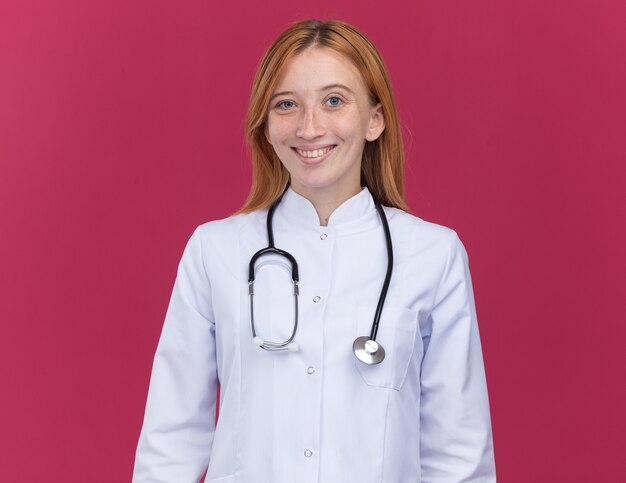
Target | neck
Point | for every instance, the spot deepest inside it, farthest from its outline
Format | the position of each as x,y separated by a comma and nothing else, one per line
326,201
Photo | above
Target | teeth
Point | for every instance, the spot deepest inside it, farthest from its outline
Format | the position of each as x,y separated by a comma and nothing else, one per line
315,153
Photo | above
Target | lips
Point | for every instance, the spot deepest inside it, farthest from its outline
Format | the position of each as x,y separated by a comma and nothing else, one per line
314,154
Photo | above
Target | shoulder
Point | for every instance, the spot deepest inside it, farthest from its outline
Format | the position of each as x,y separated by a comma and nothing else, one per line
422,230
226,229
216,243
433,243
434,246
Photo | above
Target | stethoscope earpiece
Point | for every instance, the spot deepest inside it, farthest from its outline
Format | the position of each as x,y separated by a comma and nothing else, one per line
258,341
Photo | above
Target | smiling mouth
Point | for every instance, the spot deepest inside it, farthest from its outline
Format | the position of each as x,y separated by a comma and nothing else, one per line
315,153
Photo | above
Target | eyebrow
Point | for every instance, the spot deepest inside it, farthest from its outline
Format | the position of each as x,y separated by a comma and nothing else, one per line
325,88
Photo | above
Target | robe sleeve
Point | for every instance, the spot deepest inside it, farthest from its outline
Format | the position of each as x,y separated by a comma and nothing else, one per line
179,423
455,440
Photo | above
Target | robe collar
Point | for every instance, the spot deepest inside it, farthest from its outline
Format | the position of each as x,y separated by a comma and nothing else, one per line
296,209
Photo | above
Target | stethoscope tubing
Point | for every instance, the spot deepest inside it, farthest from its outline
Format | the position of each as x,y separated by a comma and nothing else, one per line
367,350
385,288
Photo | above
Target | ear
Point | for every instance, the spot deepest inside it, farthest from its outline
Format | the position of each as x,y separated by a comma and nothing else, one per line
377,123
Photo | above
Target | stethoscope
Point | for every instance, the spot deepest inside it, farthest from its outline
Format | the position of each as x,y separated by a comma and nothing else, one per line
366,349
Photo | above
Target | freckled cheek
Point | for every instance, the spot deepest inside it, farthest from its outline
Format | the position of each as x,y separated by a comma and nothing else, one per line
280,131
346,130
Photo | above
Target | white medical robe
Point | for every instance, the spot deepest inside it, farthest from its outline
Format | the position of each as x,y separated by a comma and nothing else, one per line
319,415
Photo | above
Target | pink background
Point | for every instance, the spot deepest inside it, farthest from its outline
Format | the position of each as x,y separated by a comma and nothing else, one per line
121,130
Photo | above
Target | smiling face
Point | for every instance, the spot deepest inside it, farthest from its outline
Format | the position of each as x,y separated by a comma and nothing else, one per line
319,118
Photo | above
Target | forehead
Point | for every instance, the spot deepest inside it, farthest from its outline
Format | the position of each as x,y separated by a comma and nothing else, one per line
316,67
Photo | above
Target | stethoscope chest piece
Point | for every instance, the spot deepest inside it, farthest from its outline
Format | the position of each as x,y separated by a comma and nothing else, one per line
368,351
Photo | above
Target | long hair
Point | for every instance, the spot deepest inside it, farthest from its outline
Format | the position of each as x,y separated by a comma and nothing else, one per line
382,165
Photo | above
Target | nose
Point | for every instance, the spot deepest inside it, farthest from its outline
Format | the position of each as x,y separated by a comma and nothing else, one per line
309,124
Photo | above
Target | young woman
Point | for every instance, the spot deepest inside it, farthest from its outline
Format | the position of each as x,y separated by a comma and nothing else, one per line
349,350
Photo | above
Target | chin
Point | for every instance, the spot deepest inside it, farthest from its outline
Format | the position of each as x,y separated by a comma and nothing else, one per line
314,183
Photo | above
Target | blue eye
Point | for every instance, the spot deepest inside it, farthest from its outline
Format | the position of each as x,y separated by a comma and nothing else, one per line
334,101
285,104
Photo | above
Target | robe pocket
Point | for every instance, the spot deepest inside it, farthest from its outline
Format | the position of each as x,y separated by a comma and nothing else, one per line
396,333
